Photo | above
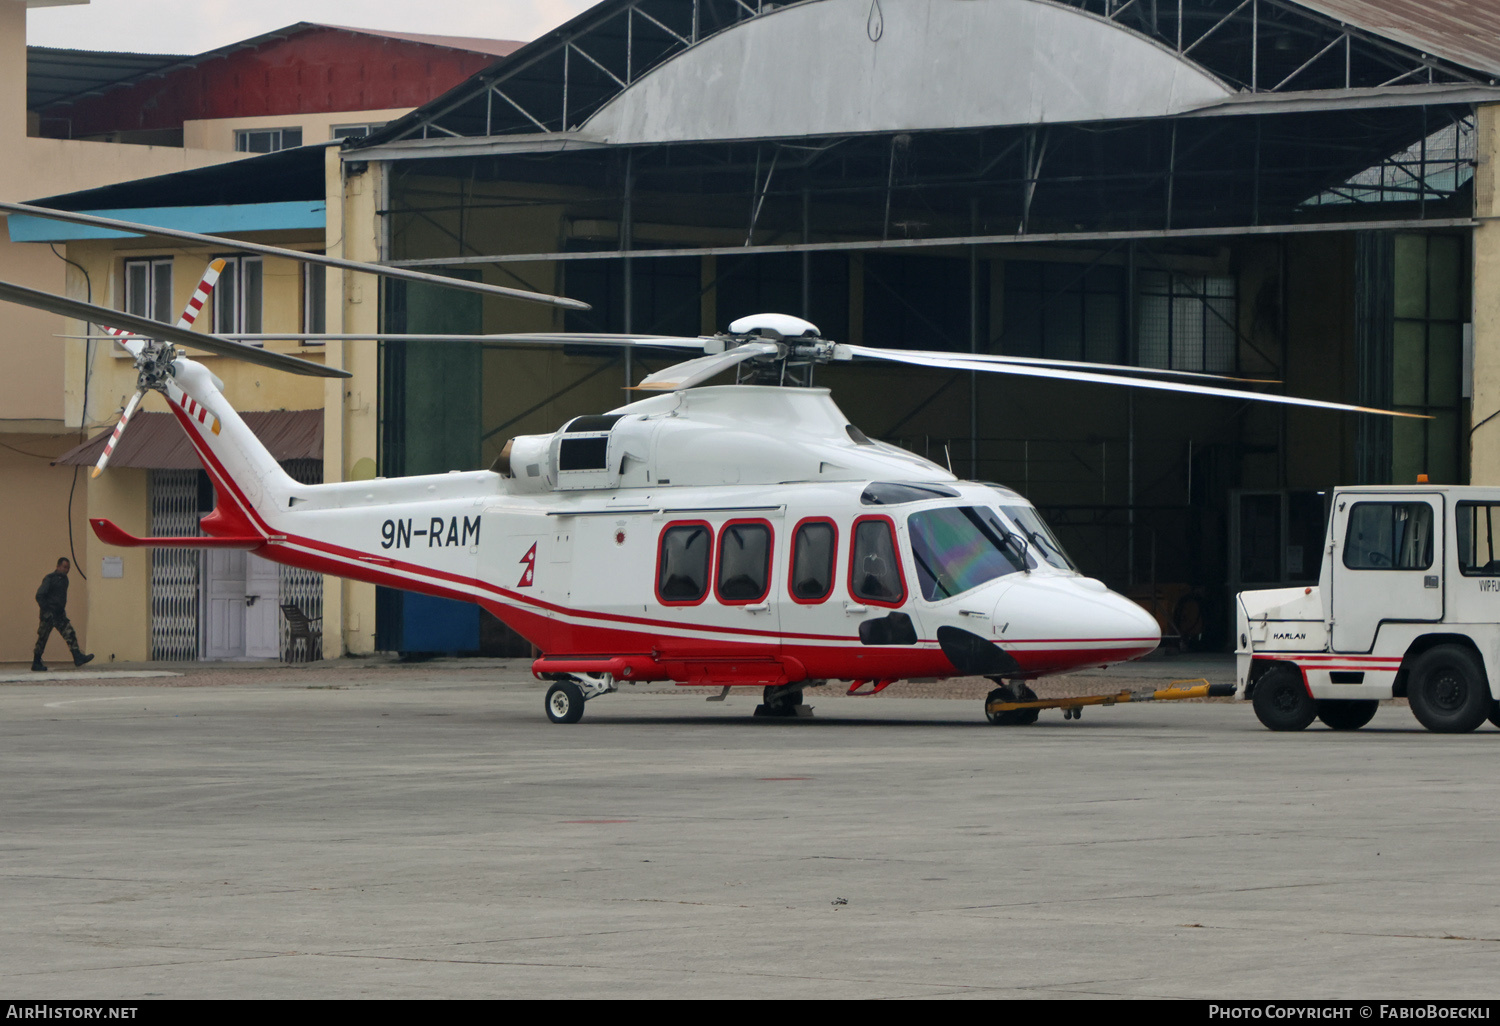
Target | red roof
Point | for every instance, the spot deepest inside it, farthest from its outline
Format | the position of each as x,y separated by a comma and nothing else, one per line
1462,31
304,68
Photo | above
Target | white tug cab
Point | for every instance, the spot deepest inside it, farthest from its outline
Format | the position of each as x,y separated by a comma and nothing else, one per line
1407,605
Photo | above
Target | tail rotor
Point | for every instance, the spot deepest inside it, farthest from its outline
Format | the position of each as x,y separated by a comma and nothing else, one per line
145,353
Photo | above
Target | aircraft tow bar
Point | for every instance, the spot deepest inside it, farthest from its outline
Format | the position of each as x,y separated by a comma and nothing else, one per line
1073,707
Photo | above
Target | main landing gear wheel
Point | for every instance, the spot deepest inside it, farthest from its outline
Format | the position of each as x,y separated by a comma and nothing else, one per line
1448,691
1013,692
564,702
1281,700
779,702
1495,713
1346,713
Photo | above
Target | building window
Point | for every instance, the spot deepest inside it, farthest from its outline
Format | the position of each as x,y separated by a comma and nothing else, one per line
1186,322
238,296
356,131
148,288
1064,311
266,140
1430,305
314,301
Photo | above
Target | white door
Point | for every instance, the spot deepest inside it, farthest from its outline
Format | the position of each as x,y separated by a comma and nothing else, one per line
1387,564
224,603
239,601
262,613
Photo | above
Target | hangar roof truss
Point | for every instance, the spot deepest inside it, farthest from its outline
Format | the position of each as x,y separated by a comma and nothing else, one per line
558,82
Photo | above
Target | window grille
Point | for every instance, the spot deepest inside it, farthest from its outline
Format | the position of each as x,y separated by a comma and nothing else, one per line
1064,311
174,572
299,587
1186,321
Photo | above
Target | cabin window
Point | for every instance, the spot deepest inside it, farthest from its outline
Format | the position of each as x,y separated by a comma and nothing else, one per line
814,547
1040,541
1478,536
1389,536
682,563
961,547
744,573
874,568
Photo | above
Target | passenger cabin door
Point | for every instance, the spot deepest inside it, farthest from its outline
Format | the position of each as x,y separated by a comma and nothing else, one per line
1387,564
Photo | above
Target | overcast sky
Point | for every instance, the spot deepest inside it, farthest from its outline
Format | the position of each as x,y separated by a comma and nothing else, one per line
193,26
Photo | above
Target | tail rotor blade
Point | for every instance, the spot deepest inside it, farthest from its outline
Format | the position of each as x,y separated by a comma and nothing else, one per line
114,439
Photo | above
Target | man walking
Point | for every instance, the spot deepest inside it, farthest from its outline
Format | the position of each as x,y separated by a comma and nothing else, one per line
52,597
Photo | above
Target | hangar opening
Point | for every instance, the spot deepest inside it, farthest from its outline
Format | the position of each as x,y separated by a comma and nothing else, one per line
1277,190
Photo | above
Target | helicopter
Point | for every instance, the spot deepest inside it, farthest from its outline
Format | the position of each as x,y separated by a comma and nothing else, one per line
711,535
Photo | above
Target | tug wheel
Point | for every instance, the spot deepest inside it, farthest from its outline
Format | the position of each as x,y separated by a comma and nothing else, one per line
1495,713
564,702
1281,700
1448,691
1016,692
1347,713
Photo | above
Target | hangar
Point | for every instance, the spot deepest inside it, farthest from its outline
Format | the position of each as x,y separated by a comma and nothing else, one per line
1296,190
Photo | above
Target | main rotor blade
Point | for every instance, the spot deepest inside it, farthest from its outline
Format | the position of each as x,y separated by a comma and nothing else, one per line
148,328
543,339
686,375
293,254
1102,368
918,359
114,439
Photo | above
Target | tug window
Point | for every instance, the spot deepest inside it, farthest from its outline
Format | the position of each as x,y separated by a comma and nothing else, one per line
744,574
682,564
1478,525
874,568
814,546
1389,536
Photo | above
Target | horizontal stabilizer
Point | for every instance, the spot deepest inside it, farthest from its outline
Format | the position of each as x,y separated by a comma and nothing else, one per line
112,534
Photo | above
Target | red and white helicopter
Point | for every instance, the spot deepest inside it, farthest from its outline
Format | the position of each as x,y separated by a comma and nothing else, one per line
725,535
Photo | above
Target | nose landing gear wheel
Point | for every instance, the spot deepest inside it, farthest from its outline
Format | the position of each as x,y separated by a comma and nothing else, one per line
1013,692
564,702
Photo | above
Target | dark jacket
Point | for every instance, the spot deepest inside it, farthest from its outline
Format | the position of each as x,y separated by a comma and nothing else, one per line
52,596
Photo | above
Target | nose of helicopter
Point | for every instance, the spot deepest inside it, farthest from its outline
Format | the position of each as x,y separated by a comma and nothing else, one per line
1066,622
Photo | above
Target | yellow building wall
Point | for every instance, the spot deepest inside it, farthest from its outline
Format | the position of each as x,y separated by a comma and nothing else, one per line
34,518
32,395
351,421
120,620
218,133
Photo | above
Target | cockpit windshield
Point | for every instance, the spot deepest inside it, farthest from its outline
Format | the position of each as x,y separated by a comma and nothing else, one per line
961,547
1039,537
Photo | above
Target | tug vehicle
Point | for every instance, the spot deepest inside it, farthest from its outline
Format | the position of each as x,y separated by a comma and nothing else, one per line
1407,606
